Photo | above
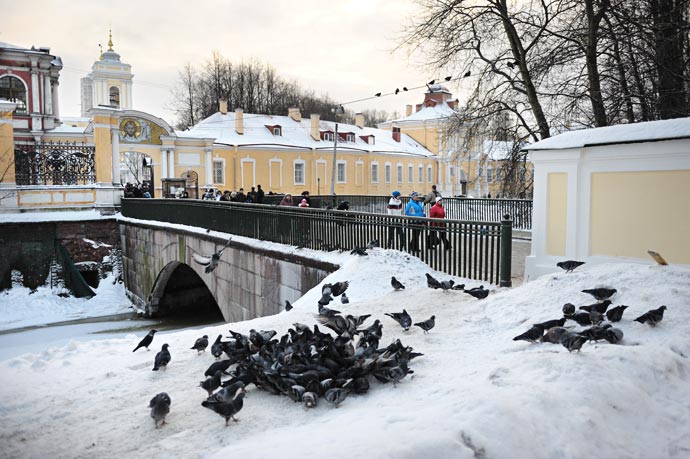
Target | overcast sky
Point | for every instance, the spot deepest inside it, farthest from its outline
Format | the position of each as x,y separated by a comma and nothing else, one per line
342,48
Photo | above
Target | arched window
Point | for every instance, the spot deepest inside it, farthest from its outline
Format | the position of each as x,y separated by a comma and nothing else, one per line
114,93
13,89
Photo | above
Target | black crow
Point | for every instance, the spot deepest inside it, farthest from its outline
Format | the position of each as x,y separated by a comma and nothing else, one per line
146,341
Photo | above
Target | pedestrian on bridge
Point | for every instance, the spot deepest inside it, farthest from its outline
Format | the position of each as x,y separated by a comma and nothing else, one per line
395,207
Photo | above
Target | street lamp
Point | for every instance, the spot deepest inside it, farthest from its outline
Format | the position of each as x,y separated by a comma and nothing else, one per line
339,111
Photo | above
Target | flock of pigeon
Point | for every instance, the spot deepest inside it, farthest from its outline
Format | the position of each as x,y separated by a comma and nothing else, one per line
597,317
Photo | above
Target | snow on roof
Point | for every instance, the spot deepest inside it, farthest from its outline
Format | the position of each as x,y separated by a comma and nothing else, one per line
10,46
438,111
624,133
297,134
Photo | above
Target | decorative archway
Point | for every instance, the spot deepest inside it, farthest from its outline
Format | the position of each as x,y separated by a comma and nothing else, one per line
178,290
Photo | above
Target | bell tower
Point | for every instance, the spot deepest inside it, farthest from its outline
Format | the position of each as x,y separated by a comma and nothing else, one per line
109,83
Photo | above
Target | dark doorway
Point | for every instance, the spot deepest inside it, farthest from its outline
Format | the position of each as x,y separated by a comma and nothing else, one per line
179,291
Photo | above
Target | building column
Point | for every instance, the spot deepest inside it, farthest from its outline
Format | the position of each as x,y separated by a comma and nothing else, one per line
47,96
56,105
209,168
171,163
35,111
164,163
115,132
7,144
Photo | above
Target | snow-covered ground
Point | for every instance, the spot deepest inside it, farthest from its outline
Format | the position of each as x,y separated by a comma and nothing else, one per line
474,394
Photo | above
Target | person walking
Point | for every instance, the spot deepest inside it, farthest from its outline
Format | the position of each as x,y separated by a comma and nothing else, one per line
240,196
415,208
431,197
438,228
259,195
395,207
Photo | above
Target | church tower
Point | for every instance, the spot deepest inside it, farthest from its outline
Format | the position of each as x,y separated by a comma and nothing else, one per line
109,83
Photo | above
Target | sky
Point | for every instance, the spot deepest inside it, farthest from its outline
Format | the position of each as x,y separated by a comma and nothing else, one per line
474,393
343,48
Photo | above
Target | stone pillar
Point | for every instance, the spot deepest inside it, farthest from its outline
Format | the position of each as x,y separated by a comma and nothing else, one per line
56,104
171,162
115,133
6,144
164,162
103,140
209,167
36,124
47,96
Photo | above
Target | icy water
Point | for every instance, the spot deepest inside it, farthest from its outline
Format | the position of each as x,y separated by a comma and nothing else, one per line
40,338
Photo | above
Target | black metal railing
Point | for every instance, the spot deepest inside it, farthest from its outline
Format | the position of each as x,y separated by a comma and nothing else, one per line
55,163
472,249
493,210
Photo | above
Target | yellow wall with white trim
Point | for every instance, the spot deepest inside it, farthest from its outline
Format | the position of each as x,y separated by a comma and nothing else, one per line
556,213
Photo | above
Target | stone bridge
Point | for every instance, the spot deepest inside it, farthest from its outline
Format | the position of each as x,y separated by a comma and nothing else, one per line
161,277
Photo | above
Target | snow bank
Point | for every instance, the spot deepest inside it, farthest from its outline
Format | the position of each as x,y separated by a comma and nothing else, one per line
475,392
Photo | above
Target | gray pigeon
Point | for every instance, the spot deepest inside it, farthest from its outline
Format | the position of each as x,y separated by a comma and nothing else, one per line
652,317
572,341
478,292
569,265
200,344
447,284
359,251
616,314
372,244
613,335
427,324
344,299
601,293
217,347
227,410
146,340
162,358
160,407
326,298
599,307
288,306
397,285
568,309
210,263
221,365
432,282
324,311
337,395
533,334
309,399
211,383
227,394
553,335
403,318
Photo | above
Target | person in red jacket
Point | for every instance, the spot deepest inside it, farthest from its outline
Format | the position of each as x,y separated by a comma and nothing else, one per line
438,229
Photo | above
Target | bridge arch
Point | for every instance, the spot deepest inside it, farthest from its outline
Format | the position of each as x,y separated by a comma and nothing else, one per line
178,290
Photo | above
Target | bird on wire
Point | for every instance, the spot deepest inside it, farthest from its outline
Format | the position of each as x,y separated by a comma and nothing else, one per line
468,73
397,90
160,407
397,285
448,78
200,344
431,82
652,317
616,314
427,324
146,340
569,265
601,293
378,94
404,88
162,359
210,263
403,318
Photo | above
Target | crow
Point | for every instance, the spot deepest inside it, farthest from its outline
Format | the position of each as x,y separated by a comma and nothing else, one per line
146,341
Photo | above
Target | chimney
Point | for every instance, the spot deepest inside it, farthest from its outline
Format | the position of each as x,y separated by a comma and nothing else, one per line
396,134
223,106
359,120
294,113
315,120
239,121
408,110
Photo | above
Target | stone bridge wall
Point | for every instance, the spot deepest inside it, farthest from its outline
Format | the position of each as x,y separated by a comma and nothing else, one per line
247,283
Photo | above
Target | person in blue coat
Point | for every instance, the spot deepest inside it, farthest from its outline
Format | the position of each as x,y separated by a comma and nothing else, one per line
415,208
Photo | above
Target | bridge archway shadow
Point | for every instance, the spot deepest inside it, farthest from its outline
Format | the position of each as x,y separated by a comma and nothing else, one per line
179,292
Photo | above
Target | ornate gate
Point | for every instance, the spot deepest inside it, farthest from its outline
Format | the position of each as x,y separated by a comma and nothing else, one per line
55,163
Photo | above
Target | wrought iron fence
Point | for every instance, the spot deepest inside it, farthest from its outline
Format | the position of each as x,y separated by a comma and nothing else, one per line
55,163
476,250
471,209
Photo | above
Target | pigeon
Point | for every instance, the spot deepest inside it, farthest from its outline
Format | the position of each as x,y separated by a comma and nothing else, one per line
339,324
221,365
569,265
431,82
288,306
427,324
652,317
359,251
568,309
447,285
478,292
573,341
533,334
553,323
510,65
403,318
162,358
210,263
596,317
338,288
160,407
226,394
372,244
296,393
217,347
324,311
146,341
337,395
595,332
344,299
582,318
396,374
553,335
432,282
600,307
613,335
227,410
459,287
397,285
616,314
325,299
200,344
601,293
309,399
211,383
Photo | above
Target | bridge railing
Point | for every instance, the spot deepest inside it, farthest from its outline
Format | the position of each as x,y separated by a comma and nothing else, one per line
471,209
473,249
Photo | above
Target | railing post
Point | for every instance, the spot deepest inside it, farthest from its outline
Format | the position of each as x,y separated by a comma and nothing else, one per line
506,252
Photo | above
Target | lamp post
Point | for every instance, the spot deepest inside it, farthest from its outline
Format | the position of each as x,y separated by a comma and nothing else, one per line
338,113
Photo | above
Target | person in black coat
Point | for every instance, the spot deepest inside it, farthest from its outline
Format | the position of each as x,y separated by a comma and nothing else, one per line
259,195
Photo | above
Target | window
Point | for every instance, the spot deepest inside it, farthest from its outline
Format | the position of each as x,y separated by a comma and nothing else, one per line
276,130
410,173
429,174
328,136
218,171
400,173
13,89
350,138
388,173
341,172
489,174
374,173
421,174
499,175
299,172
114,94
371,140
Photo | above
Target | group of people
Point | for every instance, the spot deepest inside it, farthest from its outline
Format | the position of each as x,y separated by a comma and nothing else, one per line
139,190
303,201
415,208
255,195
